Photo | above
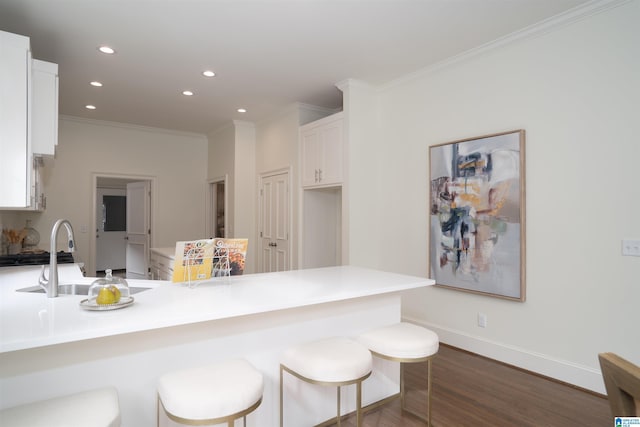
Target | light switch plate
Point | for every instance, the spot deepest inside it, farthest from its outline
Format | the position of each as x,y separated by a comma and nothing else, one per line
482,320
631,247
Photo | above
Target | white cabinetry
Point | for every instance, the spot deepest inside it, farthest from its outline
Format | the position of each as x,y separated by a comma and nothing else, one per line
28,122
323,204
161,263
15,147
44,112
322,153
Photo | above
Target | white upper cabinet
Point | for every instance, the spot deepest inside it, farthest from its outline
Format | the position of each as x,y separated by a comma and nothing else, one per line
28,122
322,152
15,146
44,111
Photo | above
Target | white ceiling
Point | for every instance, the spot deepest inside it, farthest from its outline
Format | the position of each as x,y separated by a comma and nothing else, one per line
266,53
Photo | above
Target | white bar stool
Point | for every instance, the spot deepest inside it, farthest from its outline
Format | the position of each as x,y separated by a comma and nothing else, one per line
94,408
212,394
405,343
332,362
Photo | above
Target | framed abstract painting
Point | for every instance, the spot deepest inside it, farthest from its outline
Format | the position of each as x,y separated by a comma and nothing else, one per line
477,215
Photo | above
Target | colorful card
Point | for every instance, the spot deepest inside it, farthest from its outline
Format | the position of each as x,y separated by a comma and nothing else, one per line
229,257
193,260
202,259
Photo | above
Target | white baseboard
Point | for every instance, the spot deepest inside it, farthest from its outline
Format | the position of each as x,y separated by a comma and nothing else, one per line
562,370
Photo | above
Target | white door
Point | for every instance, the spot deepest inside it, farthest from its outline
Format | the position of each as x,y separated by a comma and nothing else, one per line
274,232
138,229
111,244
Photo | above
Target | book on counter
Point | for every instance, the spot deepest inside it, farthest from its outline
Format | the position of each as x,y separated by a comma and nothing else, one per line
206,258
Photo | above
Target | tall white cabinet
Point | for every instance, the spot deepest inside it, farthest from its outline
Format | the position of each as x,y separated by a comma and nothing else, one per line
322,160
15,146
28,122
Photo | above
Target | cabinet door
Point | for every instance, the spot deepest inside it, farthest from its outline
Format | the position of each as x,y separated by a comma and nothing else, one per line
322,155
310,140
331,155
15,149
44,112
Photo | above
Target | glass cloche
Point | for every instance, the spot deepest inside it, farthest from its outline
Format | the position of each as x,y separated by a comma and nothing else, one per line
108,290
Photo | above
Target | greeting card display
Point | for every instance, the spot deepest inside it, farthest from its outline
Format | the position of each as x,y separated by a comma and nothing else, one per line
199,260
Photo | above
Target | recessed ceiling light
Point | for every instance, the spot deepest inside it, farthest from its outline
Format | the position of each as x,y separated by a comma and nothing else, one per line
96,84
90,107
187,93
208,73
242,110
107,50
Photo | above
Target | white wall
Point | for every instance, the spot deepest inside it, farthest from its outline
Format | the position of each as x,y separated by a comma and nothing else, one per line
575,90
221,162
177,161
232,152
244,188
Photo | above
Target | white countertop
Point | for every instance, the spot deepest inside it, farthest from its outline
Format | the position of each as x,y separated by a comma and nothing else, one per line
31,320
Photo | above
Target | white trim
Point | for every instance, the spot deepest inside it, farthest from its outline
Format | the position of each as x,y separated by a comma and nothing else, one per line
550,24
132,127
543,364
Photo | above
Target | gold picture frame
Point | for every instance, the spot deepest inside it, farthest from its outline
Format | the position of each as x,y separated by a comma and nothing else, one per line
477,215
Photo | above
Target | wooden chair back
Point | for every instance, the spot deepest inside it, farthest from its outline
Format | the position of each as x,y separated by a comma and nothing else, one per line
622,381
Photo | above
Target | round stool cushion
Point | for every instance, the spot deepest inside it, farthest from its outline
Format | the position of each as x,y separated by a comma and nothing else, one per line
401,340
94,408
329,360
212,391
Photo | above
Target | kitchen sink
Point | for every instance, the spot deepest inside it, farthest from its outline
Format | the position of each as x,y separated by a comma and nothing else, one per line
75,289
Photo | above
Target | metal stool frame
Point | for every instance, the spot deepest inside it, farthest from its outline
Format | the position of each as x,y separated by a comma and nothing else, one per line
229,419
402,361
338,384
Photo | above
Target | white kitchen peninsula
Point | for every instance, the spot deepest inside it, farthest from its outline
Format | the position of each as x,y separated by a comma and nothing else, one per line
50,346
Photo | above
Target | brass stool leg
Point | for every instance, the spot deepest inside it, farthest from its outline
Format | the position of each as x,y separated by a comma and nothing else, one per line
429,393
402,386
281,395
359,403
338,406
426,419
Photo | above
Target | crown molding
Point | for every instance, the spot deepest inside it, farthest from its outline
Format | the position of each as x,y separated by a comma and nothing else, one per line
568,17
345,84
243,123
129,126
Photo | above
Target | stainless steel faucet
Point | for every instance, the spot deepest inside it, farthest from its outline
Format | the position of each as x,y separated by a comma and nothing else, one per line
50,285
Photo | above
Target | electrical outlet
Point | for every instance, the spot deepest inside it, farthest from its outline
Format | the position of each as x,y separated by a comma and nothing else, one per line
482,320
630,247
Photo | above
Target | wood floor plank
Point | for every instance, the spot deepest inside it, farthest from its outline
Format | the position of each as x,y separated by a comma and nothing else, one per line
470,390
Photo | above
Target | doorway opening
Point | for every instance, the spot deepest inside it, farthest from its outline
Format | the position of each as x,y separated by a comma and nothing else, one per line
122,226
217,216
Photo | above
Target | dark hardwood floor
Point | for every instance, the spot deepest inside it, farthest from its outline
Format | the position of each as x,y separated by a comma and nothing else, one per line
470,390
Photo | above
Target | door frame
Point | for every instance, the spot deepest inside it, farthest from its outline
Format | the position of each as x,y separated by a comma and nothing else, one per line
288,171
90,266
210,211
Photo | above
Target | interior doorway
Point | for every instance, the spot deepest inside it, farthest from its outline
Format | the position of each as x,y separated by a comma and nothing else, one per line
217,215
275,221
122,226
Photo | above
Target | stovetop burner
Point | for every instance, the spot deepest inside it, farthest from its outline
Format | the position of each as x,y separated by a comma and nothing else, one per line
34,258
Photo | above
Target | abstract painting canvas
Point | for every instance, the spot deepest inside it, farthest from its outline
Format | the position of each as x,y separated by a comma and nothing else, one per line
477,227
